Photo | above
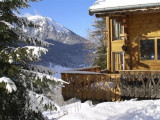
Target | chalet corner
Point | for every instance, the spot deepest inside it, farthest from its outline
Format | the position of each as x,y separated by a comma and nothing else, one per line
133,53
133,33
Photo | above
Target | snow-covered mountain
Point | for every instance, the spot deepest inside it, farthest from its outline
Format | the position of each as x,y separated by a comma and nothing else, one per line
69,49
49,29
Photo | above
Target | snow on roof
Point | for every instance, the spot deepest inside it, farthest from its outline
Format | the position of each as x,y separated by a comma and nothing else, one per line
109,5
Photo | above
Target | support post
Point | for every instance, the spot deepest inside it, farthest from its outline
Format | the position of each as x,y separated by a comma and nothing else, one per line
108,44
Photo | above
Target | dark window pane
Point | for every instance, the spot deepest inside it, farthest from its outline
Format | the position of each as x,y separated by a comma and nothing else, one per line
117,30
147,50
158,48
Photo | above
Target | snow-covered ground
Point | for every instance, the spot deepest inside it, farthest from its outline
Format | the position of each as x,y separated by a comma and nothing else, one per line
124,110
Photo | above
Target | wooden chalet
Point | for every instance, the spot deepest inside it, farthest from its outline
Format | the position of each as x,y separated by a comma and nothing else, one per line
133,54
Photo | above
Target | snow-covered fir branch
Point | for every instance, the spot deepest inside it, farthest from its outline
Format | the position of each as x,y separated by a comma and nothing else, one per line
31,39
24,37
42,76
40,69
26,23
30,53
36,51
10,26
10,86
39,102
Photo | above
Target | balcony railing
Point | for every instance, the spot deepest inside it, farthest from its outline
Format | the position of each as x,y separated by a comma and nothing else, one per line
91,85
140,83
97,85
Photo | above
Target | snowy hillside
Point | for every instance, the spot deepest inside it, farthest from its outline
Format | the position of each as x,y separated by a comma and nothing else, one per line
49,29
71,56
69,49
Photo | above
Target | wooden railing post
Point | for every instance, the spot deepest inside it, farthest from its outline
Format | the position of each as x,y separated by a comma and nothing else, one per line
63,88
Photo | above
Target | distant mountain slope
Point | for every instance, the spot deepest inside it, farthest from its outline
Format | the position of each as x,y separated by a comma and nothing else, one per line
69,49
65,55
52,30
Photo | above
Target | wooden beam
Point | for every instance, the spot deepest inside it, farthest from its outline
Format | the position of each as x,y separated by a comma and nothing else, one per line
127,41
108,44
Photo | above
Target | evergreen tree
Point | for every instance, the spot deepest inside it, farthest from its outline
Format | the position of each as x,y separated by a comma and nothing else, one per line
23,86
99,35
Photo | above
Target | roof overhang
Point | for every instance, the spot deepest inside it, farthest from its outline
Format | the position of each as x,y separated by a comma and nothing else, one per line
124,9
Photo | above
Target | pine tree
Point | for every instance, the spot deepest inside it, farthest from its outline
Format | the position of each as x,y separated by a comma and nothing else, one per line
23,86
99,36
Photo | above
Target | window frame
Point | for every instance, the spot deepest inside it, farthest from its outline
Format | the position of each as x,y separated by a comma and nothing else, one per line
119,34
155,49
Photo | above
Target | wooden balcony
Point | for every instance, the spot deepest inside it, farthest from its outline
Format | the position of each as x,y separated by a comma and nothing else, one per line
94,84
84,84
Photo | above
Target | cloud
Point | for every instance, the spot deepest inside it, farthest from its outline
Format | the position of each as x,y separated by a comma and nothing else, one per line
27,15
35,13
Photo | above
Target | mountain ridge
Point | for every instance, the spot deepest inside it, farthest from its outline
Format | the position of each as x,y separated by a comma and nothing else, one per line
49,29
69,49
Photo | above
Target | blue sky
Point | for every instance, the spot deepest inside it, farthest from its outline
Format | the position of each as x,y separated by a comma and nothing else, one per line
73,14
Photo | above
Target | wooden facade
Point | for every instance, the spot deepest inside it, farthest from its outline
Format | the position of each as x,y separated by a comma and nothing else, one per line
137,27
133,59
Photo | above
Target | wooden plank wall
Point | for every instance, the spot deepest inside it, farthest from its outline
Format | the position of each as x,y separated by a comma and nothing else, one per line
99,87
137,27
143,27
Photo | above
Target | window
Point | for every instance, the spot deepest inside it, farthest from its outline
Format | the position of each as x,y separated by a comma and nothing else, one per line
158,48
147,49
118,30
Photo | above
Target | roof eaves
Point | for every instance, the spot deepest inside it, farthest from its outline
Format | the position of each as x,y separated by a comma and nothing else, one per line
119,8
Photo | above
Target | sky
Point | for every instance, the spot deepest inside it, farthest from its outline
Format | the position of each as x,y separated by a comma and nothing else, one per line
73,14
